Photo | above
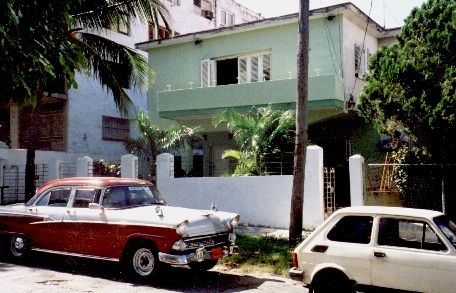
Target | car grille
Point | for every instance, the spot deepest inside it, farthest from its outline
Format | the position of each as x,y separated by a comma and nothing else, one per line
207,241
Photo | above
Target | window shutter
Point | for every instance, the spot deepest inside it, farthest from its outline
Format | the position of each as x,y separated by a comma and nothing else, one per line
267,67
357,59
212,73
242,67
362,64
205,73
254,69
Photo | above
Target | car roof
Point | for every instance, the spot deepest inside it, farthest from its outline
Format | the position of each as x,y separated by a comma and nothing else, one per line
393,211
92,181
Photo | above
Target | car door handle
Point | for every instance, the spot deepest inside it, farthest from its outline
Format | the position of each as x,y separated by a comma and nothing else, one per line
379,254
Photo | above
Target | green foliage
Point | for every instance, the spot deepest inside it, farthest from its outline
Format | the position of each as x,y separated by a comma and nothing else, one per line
412,84
270,254
45,40
256,133
153,141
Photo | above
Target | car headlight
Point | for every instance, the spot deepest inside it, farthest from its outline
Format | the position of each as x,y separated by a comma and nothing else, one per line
182,228
234,222
180,245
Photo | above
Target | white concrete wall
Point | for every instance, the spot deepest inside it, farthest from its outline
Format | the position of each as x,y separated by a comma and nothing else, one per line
260,200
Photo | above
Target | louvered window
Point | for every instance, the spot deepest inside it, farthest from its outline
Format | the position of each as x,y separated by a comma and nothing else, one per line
208,73
362,56
254,68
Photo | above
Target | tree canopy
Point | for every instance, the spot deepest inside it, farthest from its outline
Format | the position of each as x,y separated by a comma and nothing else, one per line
412,83
43,41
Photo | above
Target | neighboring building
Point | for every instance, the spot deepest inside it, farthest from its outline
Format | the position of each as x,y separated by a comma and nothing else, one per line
254,64
86,120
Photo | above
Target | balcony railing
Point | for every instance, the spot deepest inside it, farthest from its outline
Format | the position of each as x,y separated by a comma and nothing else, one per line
323,90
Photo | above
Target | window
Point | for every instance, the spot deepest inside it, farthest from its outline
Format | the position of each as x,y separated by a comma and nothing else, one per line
56,198
163,33
197,3
151,32
352,229
122,26
362,56
408,233
254,68
115,197
84,196
243,69
175,2
227,18
116,129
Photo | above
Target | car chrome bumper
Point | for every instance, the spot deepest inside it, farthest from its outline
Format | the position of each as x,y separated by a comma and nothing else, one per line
198,256
296,274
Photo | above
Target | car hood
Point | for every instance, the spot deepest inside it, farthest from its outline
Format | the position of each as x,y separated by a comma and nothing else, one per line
200,222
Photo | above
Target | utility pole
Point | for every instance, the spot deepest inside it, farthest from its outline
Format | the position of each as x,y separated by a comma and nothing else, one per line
297,195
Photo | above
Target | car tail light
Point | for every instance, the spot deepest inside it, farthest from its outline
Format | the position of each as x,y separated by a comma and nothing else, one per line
294,255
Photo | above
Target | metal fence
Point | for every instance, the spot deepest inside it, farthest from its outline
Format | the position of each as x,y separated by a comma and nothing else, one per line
105,169
67,170
13,189
411,185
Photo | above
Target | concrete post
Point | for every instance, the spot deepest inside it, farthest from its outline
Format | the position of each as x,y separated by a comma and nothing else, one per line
129,166
165,168
314,205
84,167
54,169
356,164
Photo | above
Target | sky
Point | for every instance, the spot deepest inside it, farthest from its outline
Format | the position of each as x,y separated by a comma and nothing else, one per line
388,13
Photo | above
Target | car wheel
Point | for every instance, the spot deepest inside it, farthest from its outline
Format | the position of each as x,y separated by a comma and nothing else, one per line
327,282
18,246
142,261
203,266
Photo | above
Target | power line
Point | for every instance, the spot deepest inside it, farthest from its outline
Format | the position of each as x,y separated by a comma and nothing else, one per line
364,43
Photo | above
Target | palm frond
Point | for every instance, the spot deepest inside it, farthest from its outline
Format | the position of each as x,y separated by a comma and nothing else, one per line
102,55
96,14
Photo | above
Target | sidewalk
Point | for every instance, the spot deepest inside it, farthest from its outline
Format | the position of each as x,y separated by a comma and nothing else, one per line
265,232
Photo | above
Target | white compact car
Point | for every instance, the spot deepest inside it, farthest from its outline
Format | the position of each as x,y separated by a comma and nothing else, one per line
379,247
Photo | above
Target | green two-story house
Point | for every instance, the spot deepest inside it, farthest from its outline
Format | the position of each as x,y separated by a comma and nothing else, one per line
255,64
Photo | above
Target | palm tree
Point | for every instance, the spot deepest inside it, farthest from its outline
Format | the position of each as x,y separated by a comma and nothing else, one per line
100,55
153,141
256,133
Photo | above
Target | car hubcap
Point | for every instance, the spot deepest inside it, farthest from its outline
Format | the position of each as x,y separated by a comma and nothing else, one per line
143,262
17,246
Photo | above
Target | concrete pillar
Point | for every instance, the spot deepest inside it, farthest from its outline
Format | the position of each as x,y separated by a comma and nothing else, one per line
129,166
165,168
84,167
314,205
54,169
356,164
3,164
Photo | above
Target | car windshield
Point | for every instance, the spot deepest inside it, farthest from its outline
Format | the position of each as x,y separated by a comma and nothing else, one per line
131,196
447,227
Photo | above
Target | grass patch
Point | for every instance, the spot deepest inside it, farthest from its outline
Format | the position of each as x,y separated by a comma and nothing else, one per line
266,254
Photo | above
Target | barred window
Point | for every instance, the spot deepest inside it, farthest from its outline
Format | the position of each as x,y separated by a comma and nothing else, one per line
117,129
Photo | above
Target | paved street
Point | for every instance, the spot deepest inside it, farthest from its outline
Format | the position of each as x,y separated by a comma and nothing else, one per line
50,273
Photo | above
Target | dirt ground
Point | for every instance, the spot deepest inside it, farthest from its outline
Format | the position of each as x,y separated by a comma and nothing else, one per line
51,273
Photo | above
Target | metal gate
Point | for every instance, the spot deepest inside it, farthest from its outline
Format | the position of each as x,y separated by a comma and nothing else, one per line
329,182
13,189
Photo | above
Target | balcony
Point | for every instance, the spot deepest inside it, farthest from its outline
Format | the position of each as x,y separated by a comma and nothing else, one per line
324,93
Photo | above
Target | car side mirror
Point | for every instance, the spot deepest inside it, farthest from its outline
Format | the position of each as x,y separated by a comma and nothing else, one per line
95,206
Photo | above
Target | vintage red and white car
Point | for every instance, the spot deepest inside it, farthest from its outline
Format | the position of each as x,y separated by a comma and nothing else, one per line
385,248
116,219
